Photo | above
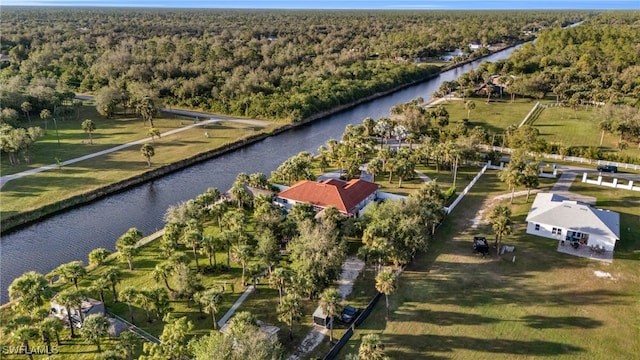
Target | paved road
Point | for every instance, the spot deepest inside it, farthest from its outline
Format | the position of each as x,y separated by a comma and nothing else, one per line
207,119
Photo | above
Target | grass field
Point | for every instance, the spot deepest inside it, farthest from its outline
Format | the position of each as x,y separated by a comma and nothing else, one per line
47,187
579,129
452,304
494,116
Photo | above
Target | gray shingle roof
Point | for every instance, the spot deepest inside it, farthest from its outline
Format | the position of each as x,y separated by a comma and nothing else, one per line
555,210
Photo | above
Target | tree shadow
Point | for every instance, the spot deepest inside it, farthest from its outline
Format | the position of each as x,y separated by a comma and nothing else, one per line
420,345
562,322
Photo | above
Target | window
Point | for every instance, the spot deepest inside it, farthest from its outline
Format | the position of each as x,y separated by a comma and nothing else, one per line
556,231
537,227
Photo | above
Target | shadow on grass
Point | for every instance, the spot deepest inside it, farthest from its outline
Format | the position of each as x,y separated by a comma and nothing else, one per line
438,343
562,322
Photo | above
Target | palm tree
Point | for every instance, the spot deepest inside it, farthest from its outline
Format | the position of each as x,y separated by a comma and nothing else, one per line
371,348
129,295
45,115
469,105
30,291
113,275
52,325
127,343
209,246
290,311
500,218
99,284
98,256
147,151
144,299
211,300
127,253
193,238
162,271
386,284
241,254
23,335
329,301
94,327
26,107
160,301
512,177
89,127
70,298
71,271
280,278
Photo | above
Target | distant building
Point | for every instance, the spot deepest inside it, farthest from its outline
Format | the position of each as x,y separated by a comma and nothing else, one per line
556,217
348,197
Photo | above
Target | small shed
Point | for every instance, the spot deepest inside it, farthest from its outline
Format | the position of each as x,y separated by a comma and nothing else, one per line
320,319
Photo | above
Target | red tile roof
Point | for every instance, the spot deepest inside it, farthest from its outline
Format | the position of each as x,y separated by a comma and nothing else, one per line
343,195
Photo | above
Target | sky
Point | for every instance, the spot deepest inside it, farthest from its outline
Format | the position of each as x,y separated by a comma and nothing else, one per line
344,4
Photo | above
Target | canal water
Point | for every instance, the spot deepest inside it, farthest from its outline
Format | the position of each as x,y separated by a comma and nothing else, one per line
71,235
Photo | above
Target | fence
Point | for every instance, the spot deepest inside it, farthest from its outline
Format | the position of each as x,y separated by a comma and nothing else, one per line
333,353
615,183
530,116
466,190
134,329
505,150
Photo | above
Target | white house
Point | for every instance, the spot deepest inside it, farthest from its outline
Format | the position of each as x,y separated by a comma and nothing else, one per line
556,217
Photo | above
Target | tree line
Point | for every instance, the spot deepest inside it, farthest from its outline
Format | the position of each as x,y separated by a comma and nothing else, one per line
269,64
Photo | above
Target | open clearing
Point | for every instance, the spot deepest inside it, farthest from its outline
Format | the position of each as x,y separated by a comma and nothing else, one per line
454,304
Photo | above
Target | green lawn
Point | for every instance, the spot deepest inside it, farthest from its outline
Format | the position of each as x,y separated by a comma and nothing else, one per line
494,116
454,304
579,129
37,190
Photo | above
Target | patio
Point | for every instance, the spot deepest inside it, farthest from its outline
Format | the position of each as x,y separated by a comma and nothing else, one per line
585,251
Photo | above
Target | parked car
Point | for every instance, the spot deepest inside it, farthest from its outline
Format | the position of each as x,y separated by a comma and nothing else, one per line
608,168
348,314
480,245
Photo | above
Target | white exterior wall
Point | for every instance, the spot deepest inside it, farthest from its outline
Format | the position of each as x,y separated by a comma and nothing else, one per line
546,231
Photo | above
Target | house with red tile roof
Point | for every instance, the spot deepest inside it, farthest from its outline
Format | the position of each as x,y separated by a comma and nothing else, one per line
348,197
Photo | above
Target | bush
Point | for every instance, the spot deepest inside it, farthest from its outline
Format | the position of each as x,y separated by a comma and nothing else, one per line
449,193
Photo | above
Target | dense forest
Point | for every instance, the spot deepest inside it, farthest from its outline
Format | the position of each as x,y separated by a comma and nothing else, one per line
266,64
594,64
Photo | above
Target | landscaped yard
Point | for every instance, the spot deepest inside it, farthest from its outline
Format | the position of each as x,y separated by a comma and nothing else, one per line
454,304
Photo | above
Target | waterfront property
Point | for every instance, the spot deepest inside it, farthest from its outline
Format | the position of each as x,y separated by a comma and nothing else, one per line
556,217
348,197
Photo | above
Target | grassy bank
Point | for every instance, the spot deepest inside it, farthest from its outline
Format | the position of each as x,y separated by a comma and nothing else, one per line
454,304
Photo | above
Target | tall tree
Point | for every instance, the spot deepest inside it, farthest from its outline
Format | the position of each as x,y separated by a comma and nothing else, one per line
30,291
24,334
162,272
500,218
280,279
241,254
98,256
386,284
95,327
52,325
173,341
89,127
147,151
70,299
129,295
329,302
469,105
113,274
211,300
71,272
290,311
371,348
